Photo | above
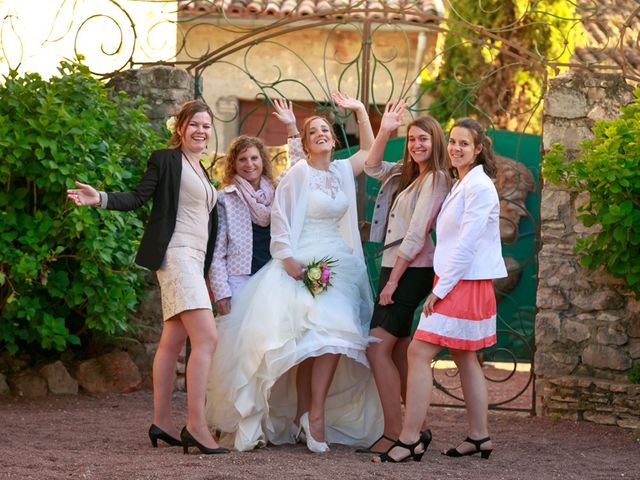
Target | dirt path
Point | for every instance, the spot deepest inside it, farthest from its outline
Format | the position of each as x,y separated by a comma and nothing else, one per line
105,438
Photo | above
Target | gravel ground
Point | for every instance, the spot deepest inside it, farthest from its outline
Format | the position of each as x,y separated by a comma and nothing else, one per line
61,437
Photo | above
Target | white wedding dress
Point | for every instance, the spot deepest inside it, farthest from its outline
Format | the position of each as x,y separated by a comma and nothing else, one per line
275,324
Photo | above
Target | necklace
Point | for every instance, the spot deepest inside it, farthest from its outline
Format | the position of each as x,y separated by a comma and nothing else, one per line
204,184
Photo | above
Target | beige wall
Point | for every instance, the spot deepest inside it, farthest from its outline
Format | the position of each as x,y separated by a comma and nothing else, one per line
303,66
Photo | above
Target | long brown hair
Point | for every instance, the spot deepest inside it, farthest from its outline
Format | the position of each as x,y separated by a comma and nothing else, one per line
438,161
239,145
486,157
184,115
306,126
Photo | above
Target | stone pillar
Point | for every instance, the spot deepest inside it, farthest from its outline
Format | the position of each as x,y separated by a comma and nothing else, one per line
587,327
164,88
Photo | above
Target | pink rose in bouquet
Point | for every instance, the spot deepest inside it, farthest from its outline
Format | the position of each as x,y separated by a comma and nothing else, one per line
317,275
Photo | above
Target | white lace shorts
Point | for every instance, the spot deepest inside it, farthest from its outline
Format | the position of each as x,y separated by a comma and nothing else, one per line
182,282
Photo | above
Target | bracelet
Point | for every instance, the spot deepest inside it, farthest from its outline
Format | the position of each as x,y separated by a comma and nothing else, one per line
295,135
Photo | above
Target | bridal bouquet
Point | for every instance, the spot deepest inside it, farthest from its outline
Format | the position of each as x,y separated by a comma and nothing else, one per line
317,275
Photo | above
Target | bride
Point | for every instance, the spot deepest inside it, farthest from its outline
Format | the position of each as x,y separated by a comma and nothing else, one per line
289,366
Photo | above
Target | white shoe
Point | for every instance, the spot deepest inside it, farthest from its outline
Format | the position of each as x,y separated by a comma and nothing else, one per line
312,444
297,433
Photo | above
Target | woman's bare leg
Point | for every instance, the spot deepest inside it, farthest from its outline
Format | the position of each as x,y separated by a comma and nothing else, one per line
419,390
172,341
201,329
324,367
303,388
476,397
389,381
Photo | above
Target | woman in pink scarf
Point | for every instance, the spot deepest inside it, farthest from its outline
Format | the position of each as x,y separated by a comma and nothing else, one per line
244,217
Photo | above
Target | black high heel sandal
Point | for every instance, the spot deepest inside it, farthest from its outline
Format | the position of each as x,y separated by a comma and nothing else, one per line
188,441
426,437
156,433
484,453
368,449
413,455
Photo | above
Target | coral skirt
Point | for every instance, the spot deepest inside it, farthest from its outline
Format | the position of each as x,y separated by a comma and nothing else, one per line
464,320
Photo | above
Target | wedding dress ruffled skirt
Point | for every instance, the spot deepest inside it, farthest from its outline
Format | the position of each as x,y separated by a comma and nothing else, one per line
275,324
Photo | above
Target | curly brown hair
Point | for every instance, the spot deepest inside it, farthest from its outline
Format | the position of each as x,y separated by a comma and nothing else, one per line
239,145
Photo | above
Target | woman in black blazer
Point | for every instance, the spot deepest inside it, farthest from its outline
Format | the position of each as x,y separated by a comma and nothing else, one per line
178,244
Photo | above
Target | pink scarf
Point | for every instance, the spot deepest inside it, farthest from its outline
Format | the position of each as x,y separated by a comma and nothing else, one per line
258,201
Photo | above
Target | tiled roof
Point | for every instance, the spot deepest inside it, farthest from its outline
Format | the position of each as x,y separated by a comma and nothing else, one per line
604,21
410,10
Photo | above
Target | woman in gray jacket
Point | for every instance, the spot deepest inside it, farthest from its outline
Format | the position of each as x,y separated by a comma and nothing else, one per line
414,190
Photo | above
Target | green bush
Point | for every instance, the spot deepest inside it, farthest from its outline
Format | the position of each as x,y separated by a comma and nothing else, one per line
67,271
608,169
634,374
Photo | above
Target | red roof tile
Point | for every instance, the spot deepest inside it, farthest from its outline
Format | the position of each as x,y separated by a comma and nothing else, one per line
410,10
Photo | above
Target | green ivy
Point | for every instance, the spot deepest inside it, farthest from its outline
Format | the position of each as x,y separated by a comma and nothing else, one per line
608,169
67,271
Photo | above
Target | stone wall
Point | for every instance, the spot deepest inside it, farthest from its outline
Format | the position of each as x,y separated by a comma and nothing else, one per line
587,328
164,88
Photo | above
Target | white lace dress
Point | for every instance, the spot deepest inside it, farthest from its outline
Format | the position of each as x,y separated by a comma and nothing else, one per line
275,324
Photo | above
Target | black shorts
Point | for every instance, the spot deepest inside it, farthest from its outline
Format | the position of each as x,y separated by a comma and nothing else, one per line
413,287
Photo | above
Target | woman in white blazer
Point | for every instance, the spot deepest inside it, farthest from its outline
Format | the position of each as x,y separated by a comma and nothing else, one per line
460,312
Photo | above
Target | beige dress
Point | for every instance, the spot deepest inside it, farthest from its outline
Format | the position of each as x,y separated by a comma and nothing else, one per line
181,275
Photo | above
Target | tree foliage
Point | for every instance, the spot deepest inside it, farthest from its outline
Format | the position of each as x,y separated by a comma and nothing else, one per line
493,59
608,169
65,270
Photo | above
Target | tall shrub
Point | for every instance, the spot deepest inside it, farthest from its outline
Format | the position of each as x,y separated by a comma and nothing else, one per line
484,76
66,270
608,169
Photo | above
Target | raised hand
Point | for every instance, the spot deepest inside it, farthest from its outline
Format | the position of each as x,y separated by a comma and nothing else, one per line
284,111
346,101
392,117
83,195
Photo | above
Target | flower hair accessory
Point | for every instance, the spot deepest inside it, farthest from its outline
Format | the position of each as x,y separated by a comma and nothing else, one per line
171,124
317,275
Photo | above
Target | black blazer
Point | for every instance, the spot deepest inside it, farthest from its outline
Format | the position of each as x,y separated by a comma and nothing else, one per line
162,181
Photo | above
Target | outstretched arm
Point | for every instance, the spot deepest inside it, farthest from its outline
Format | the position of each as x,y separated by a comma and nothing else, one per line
83,195
284,112
391,121
364,129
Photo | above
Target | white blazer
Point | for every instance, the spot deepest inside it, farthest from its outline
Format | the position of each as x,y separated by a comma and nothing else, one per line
468,233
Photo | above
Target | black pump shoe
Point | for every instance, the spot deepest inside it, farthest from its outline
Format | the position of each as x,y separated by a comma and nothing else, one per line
188,441
484,453
156,433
